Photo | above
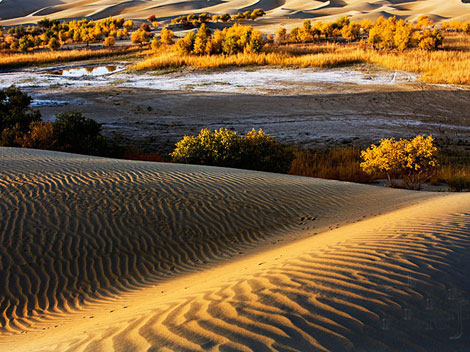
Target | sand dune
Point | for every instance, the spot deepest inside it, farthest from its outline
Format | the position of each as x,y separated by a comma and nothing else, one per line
101,254
286,11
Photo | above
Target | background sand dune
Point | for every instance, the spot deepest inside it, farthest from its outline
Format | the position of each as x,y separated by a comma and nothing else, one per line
286,11
94,251
100,254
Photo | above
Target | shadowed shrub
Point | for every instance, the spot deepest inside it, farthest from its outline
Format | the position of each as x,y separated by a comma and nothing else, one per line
41,135
78,134
15,111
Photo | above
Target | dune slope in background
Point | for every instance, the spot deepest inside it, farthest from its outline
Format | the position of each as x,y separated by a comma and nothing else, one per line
28,11
101,254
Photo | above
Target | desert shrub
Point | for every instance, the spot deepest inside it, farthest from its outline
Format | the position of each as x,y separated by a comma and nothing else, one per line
166,36
11,136
414,161
78,134
53,44
255,151
128,24
281,35
221,148
20,126
145,27
15,109
109,41
155,44
341,164
257,13
260,151
225,17
40,136
140,37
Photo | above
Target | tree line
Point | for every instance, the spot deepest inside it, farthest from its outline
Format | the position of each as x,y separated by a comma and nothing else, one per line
193,20
53,33
229,41
391,33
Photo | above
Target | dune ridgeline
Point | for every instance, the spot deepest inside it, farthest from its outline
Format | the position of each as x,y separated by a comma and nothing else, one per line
13,12
101,254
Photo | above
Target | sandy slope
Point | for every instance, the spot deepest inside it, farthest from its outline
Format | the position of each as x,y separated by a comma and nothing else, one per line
99,254
287,11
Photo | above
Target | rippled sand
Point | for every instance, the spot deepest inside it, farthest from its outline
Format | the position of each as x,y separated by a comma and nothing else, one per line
100,254
287,11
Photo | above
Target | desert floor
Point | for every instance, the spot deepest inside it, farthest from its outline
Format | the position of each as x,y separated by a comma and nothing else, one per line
100,254
308,107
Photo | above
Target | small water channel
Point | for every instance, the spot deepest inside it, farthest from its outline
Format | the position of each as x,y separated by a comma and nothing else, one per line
91,71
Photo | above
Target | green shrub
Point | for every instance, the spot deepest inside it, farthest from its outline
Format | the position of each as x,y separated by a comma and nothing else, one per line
78,134
15,109
20,126
260,151
254,151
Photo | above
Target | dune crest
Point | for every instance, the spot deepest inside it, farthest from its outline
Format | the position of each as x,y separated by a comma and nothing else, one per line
101,254
27,11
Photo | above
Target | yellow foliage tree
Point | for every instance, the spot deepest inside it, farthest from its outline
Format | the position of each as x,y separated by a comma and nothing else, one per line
129,24
140,37
424,22
109,41
281,35
351,31
403,34
155,44
166,36
366,25
414,160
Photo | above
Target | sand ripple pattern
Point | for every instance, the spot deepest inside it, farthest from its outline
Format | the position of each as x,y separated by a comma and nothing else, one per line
76,230
398,282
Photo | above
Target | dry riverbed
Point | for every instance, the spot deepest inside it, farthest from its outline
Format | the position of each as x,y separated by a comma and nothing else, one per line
310,107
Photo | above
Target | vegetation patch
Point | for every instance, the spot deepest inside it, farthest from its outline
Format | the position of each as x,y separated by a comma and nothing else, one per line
254,151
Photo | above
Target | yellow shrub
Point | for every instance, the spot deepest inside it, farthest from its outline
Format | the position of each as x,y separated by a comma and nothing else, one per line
413,160
255,151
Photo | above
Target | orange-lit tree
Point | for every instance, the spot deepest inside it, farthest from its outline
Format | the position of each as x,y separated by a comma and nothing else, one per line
414,160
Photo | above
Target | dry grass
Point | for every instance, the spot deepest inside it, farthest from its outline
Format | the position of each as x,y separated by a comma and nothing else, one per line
454,167
449,65
286,57
341,164
9,60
